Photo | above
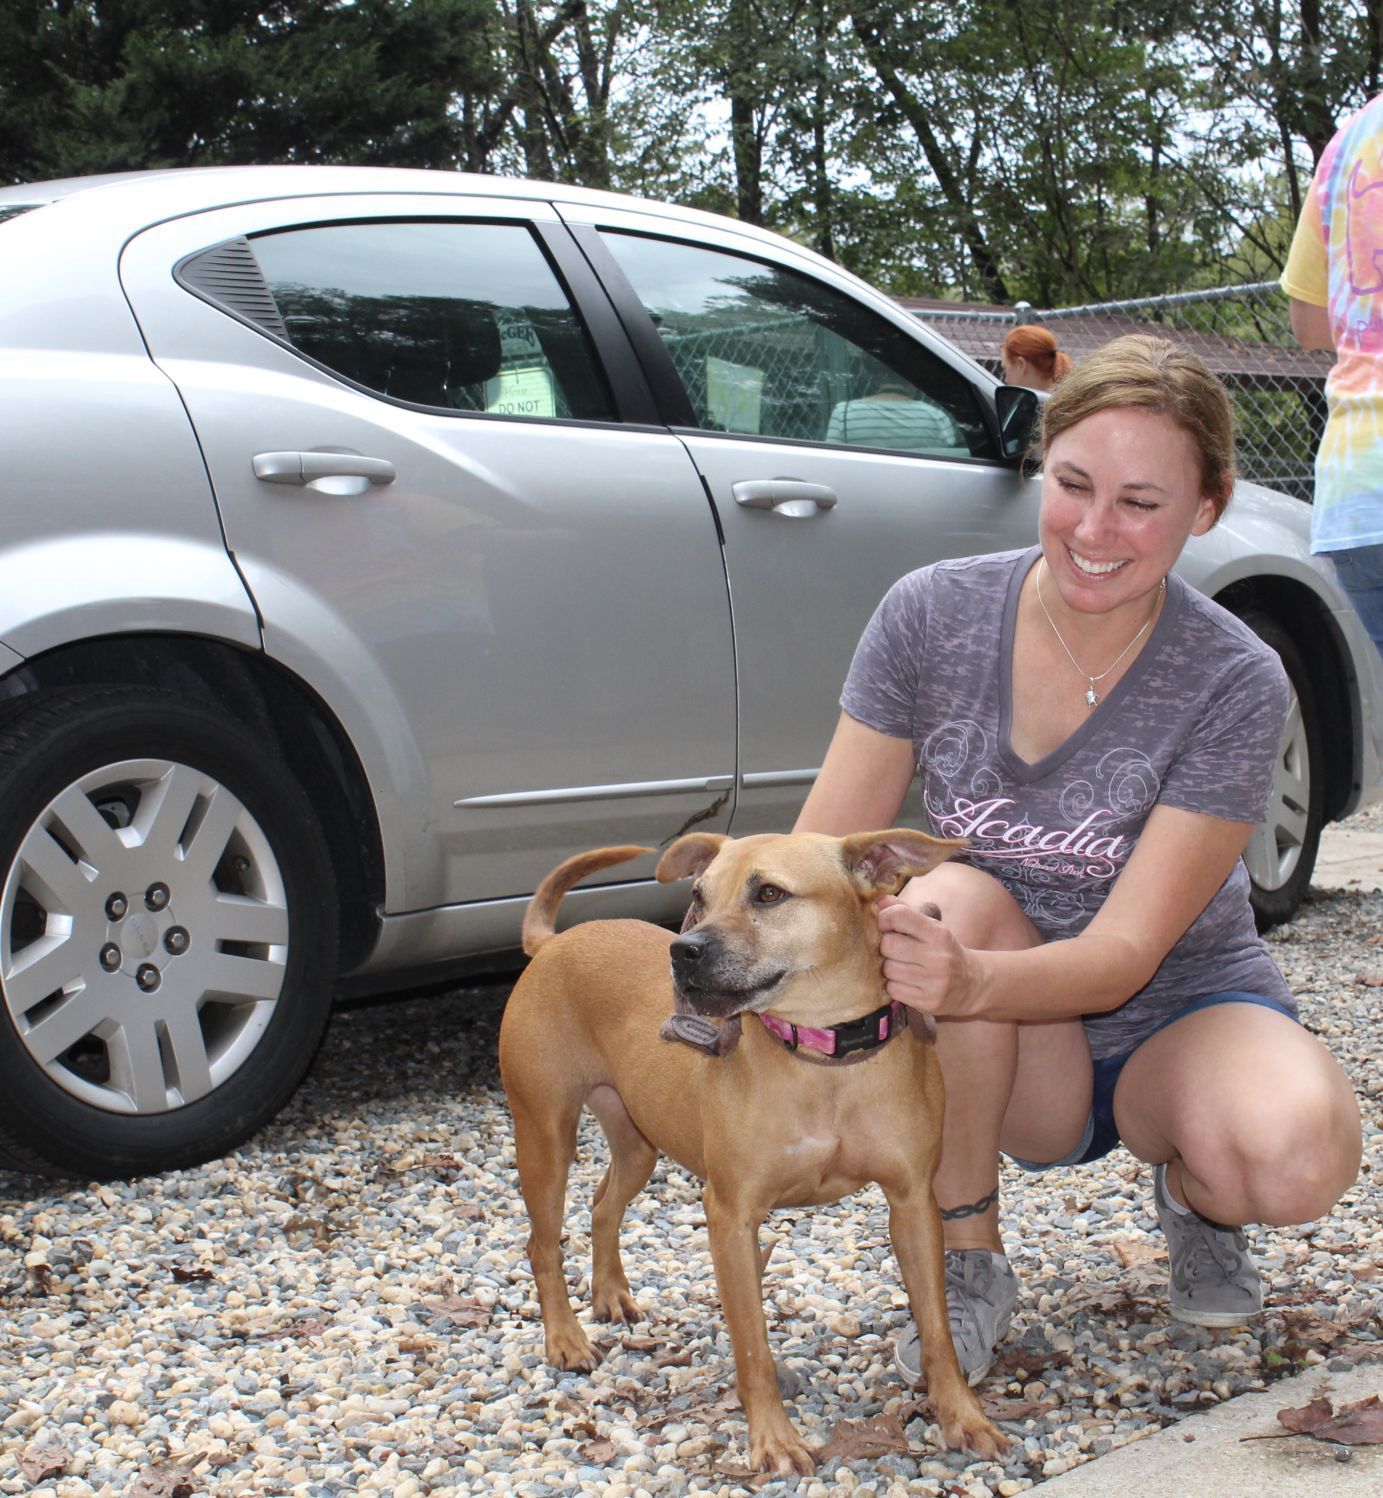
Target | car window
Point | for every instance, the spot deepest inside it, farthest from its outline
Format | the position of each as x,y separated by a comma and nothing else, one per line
465,316
775,353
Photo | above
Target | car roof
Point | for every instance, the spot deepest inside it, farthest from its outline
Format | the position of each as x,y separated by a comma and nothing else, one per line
151,195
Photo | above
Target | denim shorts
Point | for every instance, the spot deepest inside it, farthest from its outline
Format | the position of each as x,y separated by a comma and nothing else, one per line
1101,1135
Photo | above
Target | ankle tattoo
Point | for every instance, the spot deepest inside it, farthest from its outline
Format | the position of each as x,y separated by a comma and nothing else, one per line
971,1209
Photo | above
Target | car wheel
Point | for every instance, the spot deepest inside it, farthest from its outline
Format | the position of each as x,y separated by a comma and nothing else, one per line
168,929
1281,854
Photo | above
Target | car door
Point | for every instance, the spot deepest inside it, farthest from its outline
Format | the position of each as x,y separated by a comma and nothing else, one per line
433,471
841,447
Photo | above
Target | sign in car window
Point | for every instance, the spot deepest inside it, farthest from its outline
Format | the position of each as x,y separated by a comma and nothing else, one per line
734,395
522,392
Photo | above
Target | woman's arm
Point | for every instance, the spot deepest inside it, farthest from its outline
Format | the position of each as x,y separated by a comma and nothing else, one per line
862,783
1180,861
1311,324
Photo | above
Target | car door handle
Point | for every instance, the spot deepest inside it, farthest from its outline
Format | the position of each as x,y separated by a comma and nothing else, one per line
795,498
307,468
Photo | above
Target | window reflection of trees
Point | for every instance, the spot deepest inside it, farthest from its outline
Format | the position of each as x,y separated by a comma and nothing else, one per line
431,350
443,351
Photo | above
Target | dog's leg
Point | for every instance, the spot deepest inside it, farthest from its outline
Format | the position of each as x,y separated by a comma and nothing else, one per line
774,1445
545,1145
632,1159
915,1228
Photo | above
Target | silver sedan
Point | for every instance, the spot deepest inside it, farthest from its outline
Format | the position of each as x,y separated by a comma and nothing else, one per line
375,539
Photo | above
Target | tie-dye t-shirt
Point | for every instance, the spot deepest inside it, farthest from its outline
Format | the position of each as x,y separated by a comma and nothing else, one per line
1194,723
1336,262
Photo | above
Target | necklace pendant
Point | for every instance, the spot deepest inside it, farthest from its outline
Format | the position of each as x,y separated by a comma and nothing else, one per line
1092,697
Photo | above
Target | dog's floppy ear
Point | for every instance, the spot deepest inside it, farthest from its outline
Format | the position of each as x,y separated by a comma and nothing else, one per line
689,855
882,862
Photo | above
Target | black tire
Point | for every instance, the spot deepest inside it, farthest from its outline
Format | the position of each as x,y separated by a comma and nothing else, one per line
1281,855
181,1022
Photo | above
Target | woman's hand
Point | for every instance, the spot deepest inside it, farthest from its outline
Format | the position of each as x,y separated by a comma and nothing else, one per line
925,967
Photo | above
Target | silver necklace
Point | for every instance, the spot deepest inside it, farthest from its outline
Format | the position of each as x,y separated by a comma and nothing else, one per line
1092,697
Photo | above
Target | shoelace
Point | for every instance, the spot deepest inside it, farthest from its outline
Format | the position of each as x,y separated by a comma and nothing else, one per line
967,1280
1214,1250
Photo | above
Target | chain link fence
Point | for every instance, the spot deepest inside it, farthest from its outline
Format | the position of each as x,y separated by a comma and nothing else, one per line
1242,332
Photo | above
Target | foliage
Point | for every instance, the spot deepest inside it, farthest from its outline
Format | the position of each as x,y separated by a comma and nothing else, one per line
1069,151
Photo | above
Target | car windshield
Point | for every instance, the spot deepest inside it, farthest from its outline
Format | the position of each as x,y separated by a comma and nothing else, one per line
13,210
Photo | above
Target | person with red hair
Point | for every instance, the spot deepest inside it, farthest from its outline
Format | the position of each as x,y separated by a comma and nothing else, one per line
1032,358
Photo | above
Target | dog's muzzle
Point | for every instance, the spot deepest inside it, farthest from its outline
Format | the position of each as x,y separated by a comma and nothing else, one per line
707,982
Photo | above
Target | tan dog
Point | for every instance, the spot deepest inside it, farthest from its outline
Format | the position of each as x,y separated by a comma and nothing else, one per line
780,926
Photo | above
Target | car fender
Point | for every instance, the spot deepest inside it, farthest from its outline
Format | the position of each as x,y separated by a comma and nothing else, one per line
1267,536
310,640
81,587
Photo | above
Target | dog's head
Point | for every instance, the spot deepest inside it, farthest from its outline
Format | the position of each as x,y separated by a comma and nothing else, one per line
785,922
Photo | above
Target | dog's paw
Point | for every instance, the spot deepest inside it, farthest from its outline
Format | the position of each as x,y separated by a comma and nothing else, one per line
975,1433
783,1454
571,1350
615,1305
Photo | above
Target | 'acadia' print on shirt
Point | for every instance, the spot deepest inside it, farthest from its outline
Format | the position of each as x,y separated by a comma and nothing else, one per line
958,791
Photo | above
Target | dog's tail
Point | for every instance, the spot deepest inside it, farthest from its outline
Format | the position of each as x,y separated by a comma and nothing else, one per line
539,920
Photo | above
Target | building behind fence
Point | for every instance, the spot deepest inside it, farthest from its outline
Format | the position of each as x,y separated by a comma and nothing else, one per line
1242,332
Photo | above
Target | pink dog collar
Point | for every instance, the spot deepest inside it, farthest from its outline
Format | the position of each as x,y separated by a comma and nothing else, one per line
838,1041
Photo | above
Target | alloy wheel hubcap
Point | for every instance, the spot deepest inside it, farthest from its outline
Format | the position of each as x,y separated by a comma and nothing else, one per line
143,936
1275,848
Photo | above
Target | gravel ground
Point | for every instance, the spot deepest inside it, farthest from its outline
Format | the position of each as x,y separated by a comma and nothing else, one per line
345,1305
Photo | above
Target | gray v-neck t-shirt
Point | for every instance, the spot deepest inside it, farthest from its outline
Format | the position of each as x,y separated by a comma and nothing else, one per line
1195,723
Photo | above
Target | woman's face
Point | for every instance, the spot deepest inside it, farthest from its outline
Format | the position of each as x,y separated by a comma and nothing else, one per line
1121,494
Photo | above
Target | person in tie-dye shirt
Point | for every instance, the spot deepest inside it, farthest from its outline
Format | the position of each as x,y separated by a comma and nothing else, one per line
1334,277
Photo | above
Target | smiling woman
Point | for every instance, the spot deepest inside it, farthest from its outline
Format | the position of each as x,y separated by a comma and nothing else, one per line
1071,697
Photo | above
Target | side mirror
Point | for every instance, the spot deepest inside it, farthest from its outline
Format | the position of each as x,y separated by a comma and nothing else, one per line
1018,410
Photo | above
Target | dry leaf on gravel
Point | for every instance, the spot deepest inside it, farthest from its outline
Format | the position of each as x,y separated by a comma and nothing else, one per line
301,1329
190,1276
1133,1251
865,1440
1024,1362
322,1232
598,1453
1357,1424
460,1310
162,1482
1019,1409
40,1461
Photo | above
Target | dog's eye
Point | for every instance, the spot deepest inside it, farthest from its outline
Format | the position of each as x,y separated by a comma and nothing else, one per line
769,894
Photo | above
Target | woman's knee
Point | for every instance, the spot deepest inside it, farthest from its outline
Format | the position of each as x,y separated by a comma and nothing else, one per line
1287,1159
975,907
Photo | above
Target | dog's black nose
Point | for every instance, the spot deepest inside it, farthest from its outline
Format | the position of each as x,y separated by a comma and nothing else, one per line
688,950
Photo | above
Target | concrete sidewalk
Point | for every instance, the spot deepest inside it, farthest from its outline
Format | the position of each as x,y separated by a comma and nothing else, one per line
1217,1455
1350,858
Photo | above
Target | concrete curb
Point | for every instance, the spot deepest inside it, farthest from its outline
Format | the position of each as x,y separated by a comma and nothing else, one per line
1206,1455
1350,858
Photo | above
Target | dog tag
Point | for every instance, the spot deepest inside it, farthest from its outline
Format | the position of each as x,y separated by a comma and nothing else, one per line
702,1034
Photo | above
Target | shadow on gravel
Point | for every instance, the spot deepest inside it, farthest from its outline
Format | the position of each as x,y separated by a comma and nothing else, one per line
399,1052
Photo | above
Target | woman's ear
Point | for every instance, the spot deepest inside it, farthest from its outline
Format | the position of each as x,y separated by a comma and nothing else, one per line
1210,508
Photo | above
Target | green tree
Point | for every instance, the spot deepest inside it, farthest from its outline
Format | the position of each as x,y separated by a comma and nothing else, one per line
105,85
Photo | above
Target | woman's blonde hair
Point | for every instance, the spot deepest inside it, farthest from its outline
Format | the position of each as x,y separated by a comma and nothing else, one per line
1152,374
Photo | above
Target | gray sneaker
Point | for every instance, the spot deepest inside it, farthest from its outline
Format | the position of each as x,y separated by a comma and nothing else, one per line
1214,1282
980,1292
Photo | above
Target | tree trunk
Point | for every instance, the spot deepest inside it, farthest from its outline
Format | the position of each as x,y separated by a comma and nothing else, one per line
967,224
744,134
